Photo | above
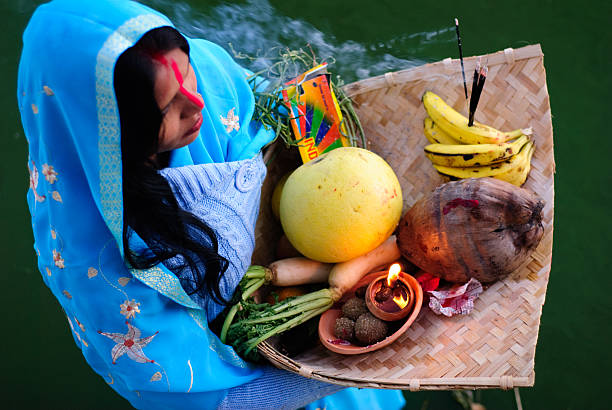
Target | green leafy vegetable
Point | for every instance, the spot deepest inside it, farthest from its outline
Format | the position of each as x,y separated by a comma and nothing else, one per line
282,66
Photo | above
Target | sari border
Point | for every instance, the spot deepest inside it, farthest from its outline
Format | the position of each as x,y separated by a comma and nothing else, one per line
109,148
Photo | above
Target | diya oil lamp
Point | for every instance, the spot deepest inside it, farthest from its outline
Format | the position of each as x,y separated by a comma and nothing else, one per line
390,297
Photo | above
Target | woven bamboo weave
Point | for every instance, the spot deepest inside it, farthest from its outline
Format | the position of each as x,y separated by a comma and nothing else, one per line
494,346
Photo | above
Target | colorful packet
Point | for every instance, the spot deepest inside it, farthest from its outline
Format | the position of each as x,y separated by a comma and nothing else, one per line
315,119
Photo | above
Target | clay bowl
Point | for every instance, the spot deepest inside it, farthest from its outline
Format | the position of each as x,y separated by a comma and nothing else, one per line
328,319
377,311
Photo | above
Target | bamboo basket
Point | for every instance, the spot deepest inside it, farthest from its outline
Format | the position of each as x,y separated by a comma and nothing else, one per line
494,346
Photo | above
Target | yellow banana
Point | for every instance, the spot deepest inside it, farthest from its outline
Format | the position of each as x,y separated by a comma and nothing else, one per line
435,135
518,174
488,170
463,156
456,125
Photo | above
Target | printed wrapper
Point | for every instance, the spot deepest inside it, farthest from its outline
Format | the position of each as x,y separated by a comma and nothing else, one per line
315,115
457,300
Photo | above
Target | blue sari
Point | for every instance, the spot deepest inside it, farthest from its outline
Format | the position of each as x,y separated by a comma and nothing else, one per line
137,329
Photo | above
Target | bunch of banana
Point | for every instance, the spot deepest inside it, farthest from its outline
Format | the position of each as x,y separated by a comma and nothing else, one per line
461,151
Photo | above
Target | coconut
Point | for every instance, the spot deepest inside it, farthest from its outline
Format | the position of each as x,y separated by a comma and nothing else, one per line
481,228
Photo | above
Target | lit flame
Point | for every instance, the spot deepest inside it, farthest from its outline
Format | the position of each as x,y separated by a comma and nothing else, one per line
394,271
400,301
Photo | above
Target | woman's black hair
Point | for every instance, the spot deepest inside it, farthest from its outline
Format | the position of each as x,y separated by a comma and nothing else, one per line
149,206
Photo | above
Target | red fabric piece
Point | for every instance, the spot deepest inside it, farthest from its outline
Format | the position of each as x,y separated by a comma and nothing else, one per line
428,281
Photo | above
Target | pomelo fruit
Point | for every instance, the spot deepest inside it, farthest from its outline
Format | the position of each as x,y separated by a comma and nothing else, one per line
340,205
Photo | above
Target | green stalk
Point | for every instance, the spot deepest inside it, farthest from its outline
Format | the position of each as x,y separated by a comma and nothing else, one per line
286,326
255,271
254,277
302,308
228,321
320,294
249,291
250,282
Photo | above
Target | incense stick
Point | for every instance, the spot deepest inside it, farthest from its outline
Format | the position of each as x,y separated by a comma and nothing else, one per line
475,97
461,57
475,80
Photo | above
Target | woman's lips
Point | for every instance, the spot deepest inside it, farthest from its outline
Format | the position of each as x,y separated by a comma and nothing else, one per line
195,127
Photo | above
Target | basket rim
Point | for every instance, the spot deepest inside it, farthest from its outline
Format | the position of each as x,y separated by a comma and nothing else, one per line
412,384
423,72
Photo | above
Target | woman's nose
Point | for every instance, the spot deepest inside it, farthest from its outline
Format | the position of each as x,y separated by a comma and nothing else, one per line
194,98
199,101
190,90
192,105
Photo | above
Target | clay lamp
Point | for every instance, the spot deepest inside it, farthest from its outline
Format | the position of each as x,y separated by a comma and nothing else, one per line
389,297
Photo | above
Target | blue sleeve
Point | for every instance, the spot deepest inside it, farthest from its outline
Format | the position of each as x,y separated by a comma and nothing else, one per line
361,399
277,389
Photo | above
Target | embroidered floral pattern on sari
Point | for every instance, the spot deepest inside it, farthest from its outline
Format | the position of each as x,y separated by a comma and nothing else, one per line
130,343
92,272
49,173
75,331
57,259
129,308
231,122
34,182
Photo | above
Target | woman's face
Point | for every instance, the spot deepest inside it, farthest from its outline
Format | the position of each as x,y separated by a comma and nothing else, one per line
180,104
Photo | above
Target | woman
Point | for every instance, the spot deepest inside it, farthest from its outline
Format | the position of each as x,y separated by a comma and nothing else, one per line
134,191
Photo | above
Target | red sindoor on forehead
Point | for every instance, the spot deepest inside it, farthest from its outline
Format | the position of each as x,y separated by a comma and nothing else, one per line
179,77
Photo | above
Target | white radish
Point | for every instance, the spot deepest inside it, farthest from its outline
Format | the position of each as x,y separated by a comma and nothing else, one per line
345,275
297,271
293,311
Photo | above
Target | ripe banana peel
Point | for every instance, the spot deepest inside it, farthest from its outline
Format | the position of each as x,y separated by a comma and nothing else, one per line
435,135
511,169
456,125
463,156
518,174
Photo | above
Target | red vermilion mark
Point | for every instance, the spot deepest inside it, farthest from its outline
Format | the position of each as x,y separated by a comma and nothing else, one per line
179,77
468,203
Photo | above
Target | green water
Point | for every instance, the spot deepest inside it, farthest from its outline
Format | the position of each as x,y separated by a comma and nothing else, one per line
41,367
